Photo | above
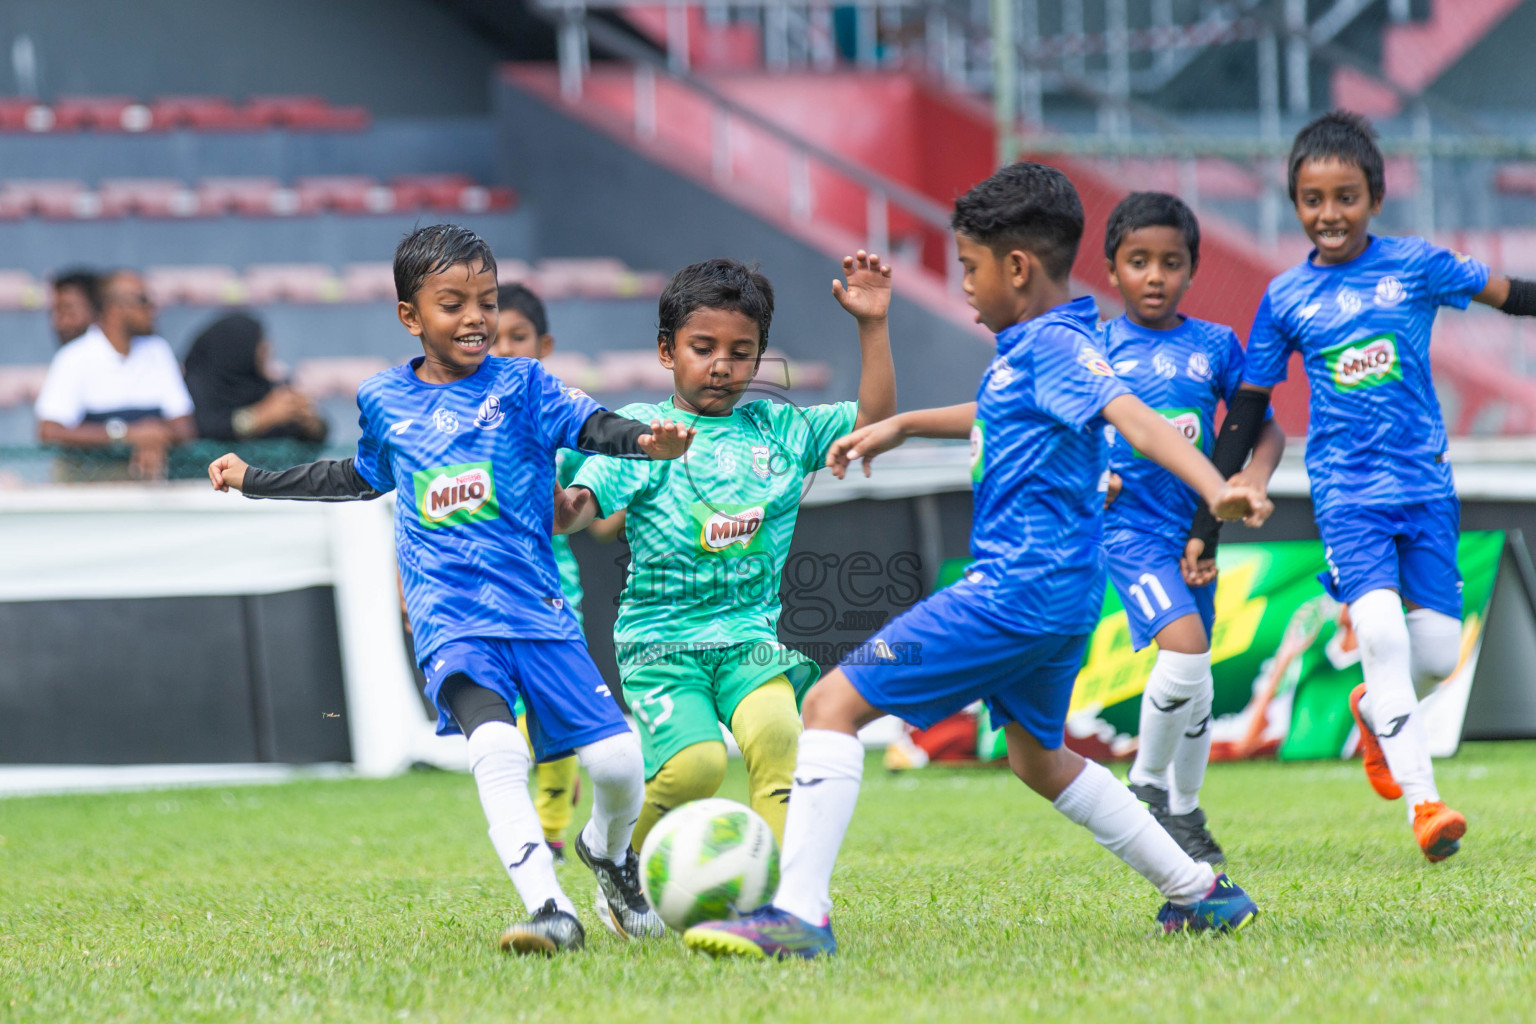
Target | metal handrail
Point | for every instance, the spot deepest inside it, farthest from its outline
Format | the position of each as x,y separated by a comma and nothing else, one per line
880,190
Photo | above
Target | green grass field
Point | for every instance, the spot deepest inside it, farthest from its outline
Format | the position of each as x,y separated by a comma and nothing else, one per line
960,896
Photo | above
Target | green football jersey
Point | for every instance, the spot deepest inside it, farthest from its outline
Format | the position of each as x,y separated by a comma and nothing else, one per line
567,462
709,532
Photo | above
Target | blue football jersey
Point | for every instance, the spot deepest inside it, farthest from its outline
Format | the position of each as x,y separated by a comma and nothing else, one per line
473,465
1362,328
1037,455
1183,374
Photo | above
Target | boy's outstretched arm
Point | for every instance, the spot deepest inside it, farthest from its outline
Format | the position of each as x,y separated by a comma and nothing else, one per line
868,297
1152,435
325,480
952,421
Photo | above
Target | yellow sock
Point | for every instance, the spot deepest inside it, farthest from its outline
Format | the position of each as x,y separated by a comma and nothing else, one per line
766,725
553,782
692,773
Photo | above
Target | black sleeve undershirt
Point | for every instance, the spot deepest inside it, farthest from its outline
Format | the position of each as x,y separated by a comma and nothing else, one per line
1239,433
326,480
608,433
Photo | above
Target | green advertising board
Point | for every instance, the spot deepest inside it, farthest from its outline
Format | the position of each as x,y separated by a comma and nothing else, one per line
1283,654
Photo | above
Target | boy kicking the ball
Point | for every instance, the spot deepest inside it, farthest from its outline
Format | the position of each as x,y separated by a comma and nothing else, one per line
468,443
697,634
1014,630
1359,311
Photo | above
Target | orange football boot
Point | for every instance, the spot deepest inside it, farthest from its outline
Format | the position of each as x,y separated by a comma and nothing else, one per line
1376,769
1438,829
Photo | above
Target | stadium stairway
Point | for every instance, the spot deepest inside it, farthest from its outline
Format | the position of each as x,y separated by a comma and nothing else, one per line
939,143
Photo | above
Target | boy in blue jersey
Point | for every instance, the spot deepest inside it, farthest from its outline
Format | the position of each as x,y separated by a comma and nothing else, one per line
1182,367
1359,311
468,442
1014,630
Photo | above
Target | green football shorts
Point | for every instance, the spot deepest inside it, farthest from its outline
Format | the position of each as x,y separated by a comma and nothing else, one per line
683,698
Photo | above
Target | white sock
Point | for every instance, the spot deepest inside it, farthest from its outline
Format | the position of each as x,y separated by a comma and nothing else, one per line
1434,648
499,758
1176,684
1127,829
617,771
1391,706
1187,774
828,770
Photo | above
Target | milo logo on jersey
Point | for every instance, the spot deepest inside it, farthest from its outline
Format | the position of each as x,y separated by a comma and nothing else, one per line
450,495
1364,363
728,529
1186,422
978,452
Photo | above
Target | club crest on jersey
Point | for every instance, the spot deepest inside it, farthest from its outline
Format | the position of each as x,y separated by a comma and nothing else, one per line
762,460
1349,301
1364,363
490,413
1000,375
725,461
1095,363
726,527
451,495
446,420
1164,367
1389,292
1199,367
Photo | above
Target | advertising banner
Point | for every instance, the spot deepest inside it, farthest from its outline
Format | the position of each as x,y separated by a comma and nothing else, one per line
1284,657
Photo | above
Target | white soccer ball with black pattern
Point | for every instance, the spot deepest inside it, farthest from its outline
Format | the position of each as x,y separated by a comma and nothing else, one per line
709,860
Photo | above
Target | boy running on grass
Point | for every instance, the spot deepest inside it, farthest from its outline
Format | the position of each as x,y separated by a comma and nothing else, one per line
697,635
469,443
1014,630
1183,368
1359,310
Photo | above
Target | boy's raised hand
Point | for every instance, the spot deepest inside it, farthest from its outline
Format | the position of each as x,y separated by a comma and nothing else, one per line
227,471
667,440
868,292
864,443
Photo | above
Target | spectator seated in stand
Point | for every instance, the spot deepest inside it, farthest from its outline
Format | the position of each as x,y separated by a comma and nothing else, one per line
236,395
76,302
117,384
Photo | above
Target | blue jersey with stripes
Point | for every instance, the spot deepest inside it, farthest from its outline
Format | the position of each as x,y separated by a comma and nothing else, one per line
1182,373
1376,436
473,465
1037,456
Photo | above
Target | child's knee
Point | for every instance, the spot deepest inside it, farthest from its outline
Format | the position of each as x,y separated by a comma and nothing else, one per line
766,725
1434,647
693,773
613,760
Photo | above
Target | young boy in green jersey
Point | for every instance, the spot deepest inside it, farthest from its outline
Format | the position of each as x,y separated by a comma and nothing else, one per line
522,330
696,637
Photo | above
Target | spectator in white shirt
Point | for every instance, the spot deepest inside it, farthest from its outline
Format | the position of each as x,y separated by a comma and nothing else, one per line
118,383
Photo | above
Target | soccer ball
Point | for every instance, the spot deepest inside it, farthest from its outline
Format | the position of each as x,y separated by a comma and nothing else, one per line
709,860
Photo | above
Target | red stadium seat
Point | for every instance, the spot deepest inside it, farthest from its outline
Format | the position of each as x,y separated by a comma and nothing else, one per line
19,385
514,272
20,290
344,193
434,191
62,199
199,113
368,282
210,285
146,197
13,113
253,196
305,113
590,278
337,376
293,282
101,113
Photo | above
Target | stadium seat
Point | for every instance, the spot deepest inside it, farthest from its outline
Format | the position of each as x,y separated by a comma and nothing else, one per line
368,282
253,196
210,285
20,290
13,113
430,191
100,113
343,193
304,113
631,369
19,385
199,113
292,282
61,198
335,377
146,197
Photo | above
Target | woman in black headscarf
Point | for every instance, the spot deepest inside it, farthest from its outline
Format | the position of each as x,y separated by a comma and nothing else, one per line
232,396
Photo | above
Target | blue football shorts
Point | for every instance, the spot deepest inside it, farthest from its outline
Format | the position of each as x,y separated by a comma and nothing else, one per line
950,649
1407,548
568,704
1144,569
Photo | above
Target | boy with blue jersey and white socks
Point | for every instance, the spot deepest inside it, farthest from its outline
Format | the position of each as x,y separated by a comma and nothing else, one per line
1182,367
1359,310
1013,631
468,443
